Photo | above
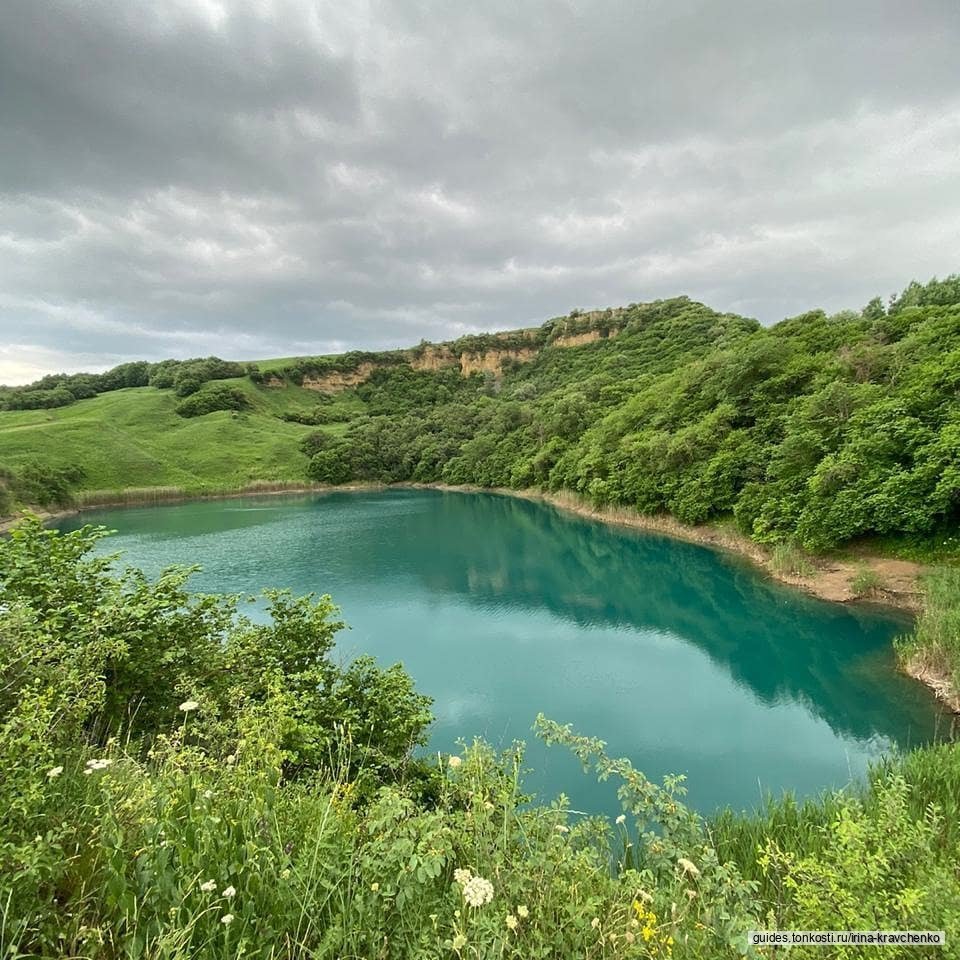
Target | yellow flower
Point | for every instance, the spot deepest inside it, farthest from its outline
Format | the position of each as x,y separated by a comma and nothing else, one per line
374,887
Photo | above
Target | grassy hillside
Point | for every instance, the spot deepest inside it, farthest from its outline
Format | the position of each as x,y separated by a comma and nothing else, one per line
134,438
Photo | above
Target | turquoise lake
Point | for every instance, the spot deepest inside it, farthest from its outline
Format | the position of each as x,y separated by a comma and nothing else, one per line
683,659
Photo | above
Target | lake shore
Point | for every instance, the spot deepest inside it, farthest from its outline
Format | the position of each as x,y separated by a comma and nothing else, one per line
828,579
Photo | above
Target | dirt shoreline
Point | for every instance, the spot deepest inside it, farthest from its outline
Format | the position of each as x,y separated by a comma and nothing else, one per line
831,579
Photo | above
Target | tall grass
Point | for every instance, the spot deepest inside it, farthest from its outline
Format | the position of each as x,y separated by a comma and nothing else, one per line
933,650
163,494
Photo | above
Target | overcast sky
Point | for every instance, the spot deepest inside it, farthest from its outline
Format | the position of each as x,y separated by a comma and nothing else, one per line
257,178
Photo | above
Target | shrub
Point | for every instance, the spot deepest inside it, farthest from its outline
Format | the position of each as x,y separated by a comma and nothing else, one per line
217,396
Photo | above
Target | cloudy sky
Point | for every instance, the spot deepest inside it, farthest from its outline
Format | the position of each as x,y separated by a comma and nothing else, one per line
259,178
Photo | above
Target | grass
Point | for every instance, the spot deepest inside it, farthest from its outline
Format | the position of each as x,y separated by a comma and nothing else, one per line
866,582
133,439
933,649
789,559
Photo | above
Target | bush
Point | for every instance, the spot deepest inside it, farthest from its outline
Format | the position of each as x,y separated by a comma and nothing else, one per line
217,396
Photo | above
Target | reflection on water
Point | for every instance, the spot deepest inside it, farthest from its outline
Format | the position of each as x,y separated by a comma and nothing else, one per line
681,658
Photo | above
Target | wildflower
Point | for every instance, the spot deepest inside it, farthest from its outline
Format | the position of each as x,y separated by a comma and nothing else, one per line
375,887
477,891
229,892
188,706
231,760
560,828
630,937
595,923
284,874
459,942
54,772
523,912
208,886
488,806
99,764
88,771
454,763
621,820
462,876
688,867
690,893
207,794
227,918
512,921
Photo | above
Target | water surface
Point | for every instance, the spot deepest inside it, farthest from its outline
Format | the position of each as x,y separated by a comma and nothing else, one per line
684,659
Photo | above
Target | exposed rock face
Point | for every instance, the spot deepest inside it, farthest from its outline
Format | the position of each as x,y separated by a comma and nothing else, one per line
492,360
441,356
575,339
273,381
434,358
335,381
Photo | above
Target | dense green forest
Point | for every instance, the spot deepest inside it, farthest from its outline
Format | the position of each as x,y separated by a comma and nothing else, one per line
181,782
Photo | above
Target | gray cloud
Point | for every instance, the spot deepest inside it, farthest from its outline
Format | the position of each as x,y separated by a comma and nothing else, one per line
269,177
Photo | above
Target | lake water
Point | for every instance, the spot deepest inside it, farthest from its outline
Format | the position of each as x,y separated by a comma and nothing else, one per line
683,659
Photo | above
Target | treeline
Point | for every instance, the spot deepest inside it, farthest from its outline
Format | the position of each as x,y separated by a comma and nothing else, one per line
820,428
184,377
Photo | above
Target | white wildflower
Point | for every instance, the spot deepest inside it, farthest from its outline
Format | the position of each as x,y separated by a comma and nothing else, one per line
454,763
621,820
462,875
231,760
477,891
227,918
229,892
512,921
523,912
688,867
54,772
208,885
188,706
207,794
459,942
560,828
595,923
99,764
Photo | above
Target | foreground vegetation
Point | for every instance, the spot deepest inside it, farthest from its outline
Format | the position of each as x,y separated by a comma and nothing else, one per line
180,781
